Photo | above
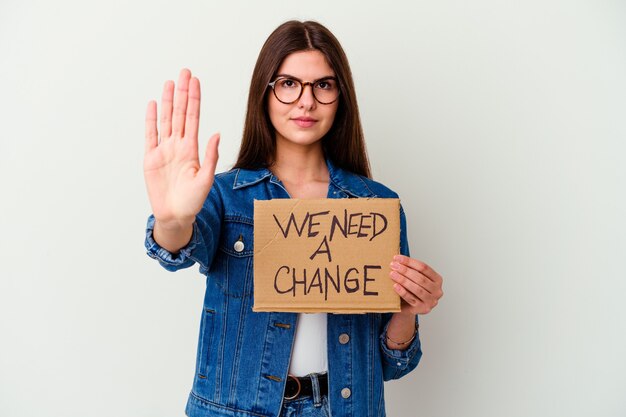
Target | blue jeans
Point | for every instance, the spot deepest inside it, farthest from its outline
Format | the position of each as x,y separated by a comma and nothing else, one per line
309,406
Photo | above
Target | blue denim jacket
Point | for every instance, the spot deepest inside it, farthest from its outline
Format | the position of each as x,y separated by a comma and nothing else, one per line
243,357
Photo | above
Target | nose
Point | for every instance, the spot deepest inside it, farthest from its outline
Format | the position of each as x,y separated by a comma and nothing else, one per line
306,99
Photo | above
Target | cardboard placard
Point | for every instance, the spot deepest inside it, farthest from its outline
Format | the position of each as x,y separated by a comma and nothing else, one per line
325,255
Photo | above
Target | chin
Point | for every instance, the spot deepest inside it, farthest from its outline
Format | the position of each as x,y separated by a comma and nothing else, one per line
303,139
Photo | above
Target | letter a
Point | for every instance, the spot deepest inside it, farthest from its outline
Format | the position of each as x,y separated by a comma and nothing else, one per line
319,250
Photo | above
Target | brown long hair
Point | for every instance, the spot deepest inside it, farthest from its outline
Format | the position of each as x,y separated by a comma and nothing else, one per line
344,143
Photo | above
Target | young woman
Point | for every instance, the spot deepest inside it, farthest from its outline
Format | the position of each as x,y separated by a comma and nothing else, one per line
302,139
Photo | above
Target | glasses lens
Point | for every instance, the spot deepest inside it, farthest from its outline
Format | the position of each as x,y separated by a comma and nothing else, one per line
326,91
287,90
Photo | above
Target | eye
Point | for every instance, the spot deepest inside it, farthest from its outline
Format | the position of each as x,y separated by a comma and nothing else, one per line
325,84
288,83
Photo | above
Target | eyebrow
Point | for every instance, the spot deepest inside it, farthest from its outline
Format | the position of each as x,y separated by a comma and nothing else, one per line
327,77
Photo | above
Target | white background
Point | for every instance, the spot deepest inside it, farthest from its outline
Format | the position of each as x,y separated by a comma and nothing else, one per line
500,123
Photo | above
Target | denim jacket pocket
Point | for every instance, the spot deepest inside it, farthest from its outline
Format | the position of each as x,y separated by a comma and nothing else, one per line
235,261
205,343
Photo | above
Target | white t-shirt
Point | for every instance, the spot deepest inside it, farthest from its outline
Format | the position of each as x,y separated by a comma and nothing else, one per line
309,353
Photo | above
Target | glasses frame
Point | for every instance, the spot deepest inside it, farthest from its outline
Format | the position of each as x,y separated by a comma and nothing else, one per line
303,84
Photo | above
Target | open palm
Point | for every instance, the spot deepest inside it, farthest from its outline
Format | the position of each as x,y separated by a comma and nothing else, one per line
177,184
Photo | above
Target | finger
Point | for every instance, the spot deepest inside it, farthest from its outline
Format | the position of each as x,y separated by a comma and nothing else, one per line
166,109
415,276
152,136
207,171
180,103
407,296
418,266
416,290
193,110
413,304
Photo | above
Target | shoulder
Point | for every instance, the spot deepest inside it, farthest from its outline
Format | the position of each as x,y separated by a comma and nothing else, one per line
228,181
235,190
360,186
238,178
222,190
226,178
378,189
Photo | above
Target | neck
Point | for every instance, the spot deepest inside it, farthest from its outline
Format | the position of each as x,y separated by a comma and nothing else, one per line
300,164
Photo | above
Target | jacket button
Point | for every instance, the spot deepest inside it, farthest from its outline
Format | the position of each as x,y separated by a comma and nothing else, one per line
345,393
238,246
344,338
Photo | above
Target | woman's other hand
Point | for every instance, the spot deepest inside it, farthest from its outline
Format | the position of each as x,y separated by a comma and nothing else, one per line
419,286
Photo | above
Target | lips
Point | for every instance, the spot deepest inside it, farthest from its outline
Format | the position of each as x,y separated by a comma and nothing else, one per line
304,121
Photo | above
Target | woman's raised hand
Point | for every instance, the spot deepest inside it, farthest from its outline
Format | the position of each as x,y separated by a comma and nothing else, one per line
177,184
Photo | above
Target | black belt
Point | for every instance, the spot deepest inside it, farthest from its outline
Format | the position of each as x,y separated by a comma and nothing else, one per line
302,386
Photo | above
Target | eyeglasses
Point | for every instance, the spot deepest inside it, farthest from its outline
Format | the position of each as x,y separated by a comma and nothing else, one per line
289,90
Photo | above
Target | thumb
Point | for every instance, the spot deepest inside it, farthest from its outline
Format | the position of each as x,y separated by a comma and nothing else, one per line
207,171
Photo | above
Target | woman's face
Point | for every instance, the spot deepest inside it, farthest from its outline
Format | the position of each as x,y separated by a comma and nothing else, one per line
305,121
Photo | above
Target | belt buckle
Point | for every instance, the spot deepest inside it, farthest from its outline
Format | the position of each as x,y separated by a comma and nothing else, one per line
299,387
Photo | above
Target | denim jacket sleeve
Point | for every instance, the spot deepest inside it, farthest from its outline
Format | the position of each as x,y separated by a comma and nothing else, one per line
397,363
204,239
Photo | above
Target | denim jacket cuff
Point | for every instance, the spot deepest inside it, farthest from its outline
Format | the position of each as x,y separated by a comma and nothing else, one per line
169,260
401,359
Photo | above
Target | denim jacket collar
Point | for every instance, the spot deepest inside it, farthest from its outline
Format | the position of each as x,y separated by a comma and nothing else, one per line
350,183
